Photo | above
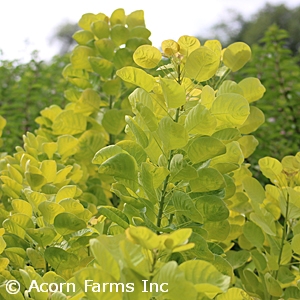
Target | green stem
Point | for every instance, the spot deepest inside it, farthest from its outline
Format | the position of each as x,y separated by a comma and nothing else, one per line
111,136
221,79
171,154
166,182
284,233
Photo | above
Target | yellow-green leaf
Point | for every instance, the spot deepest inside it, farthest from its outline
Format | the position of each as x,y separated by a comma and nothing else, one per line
68,122
137,77
202,64
236,56
188,44
204,148
252,88
147,56
172,135
173,92
82,37
231,108
270,167
100,29
117,17
79,57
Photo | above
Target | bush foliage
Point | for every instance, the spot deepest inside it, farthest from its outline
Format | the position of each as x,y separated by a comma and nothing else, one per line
25,89
140,181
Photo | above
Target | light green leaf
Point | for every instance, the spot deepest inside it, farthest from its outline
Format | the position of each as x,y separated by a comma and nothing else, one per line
105,153
273,286
212,208
82,37
49,169
68,122
114,121
237,258
140,97
148,116
147,56
229,86
66,146
121,166
180,170
248,144
234,293
254,189
139,134
170,273
147,181
118,17
137,77
207,96
188,44
184,205
44,236
68,191
89,143
172,134
254,234
202,64
86,20
252,88
144,236
208,179
173,92
200,121
204,148
135,19
22,206
124,194
217,230
203,274
296,243
254,120
270,167
79,57
119,34
233,155
236,56
100,29
115,215
265,221
50,210
101,66
134,149
66,223
105,259
227,134
106,48
59,258
230,108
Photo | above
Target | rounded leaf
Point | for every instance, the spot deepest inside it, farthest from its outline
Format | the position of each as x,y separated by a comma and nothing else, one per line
67,223
147,56
231,108
236,56
202,64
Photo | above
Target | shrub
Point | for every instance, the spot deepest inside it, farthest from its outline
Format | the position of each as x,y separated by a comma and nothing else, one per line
164,209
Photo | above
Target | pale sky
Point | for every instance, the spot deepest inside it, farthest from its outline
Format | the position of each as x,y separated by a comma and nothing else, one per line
27,25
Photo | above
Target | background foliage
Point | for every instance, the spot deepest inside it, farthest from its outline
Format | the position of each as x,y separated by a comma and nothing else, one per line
273,63
25,89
